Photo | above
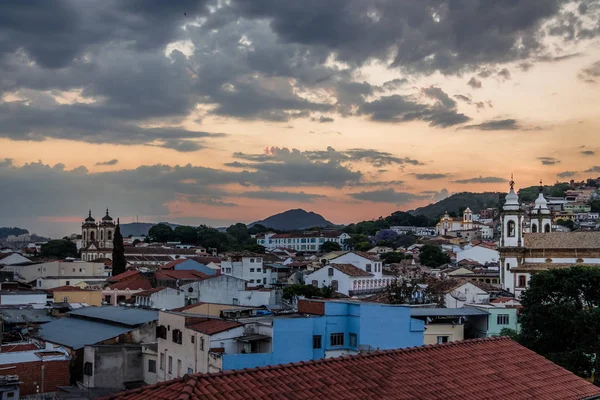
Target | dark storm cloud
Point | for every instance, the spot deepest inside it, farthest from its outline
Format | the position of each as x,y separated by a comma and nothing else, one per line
386,196
548,160
566,174
114,161
495,125
474,83
481,179
283,196
397,108
428,177
591,73
425,35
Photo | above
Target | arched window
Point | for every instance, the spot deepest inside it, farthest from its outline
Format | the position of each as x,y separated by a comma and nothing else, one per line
547,228
92,236
334,285
522,281
102,235
84,235
315,283
511,228
534,228
109,235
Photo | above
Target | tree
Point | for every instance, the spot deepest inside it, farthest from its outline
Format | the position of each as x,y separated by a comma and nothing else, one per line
405,240
561,318
391,257
308,291
136,242
595,204
186,234
255,248
433,256
119,264
359,242
160,233
386,237
328,247
400,291
239,232
566,222
60,248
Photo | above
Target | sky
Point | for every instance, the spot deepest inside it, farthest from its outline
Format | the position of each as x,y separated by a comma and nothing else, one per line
216,112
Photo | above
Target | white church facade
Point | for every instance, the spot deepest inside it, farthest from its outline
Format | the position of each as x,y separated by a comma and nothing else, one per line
97,237
523,254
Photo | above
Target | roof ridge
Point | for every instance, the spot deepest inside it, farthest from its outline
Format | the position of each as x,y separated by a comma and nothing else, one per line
376,353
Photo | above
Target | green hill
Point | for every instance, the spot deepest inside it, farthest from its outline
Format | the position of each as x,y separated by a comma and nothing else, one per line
459,201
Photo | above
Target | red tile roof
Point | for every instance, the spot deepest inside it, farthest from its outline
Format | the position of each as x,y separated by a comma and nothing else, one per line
493,368
184,275
328,234
350,269
172,264
133,281
124,275
210,326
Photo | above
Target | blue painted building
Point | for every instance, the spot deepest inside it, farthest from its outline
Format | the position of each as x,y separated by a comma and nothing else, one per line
193,265
323,329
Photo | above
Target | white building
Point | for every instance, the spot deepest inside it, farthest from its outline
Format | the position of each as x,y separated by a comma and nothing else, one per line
415,230
226,289
480,253
29,273
185,342
365,261
13,259
161,298
249,267
456,296
302,241
23,298
97,238
346,279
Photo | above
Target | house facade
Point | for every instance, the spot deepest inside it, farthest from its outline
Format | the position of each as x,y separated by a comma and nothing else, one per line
249,267
309,241
161,298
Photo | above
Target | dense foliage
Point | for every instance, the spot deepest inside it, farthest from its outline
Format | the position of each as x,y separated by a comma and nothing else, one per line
307,291
561,318
532,192
119,264
61,248
330,246
393,257
433,256
459,201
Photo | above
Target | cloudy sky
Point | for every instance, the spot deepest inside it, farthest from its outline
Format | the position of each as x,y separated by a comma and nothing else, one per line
221,111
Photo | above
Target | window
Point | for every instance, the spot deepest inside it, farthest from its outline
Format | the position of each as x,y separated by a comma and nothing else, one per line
177,336
88,369
547,228
193,339
522,281
152,366
368,267
442,339
502,319
264,281
235,302
315,283
170,364
353,340
252,260
251,280
534,228
316,341
259,260
330,272
336,339
178,368
508,266
190,371
201,343
68,283
251,269
10,395
258,270
511,228
334,285
109,235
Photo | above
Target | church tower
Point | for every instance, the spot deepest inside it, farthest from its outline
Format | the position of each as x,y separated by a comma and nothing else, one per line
511,238
89,230
106,230
541,220
467,219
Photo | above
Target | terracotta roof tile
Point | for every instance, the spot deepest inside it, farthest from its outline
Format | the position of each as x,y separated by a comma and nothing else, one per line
183,274
494,368
350,269
562,240
148,292
124,275
210,326
172,264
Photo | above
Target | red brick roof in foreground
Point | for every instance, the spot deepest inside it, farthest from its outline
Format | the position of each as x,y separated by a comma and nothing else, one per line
493,368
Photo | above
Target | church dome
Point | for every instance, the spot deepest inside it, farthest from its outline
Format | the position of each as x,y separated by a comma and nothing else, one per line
90,218
541,205
512,200
107,217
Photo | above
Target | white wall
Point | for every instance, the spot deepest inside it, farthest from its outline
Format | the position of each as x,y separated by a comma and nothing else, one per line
225,289
473,294
167,298
23,298
250,269
323,279
360,262
480,254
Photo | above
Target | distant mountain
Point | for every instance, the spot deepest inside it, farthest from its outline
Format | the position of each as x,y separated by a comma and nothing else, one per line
459,201
140,228
6,232
294,220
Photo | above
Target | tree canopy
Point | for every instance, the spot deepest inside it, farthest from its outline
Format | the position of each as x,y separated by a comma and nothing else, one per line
433,256
161,233
61,248
119,264
561,318
330,246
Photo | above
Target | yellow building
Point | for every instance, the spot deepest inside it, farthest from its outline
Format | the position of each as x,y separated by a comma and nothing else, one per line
75,294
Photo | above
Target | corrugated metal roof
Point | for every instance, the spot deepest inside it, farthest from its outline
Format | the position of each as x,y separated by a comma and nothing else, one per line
16,316
445,312
129,316
76,333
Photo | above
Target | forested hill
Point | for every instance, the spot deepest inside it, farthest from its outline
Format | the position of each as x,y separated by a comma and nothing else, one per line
6,232
459,201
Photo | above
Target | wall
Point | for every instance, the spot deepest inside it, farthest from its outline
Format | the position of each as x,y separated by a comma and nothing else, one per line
114,365
360,262
473,294
23,298
45,283
454,332
147,354
225,289
168,299
494,328
211,309
56,373
91,297
194,266
480,254
60,268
